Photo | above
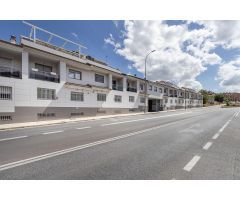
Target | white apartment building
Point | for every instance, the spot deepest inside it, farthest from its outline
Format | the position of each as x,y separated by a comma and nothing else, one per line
40,81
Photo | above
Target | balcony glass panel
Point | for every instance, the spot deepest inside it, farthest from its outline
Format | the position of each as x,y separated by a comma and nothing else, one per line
44,76
11,72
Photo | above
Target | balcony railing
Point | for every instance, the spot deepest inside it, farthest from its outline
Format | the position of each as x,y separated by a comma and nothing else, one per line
117,87
131,89
44,76
11,72
165,94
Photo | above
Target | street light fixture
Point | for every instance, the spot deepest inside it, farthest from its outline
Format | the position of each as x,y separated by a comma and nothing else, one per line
145,106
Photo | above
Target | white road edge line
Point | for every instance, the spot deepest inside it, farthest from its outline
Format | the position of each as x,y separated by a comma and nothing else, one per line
13,138
80,147
80,128
215,136
191,163
207,145
135,120
52,132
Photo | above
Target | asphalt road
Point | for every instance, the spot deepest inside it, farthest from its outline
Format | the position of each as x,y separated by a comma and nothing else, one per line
201,143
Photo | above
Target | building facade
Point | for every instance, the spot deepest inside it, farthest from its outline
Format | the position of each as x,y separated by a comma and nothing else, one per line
39,81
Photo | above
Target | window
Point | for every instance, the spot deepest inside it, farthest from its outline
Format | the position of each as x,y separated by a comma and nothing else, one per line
131,98
5,117
166,100
77,114
160,90
6,62
5,93
142,100
99,78
175,100
150,87
171,101
77,96
73,74
141,86
118,98
101,97
155,89
43,115
46,94
43,68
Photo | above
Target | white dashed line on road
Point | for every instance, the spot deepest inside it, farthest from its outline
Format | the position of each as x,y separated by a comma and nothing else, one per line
215,136
76,148
80,128
207,145
224,126
13,138
236,115
52,132
191,163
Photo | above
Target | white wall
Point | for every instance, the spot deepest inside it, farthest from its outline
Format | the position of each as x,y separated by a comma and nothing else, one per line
88,77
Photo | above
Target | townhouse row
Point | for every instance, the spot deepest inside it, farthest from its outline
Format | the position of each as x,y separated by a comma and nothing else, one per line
40,81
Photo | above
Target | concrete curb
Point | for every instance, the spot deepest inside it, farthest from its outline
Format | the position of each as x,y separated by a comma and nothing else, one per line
6,127
55,122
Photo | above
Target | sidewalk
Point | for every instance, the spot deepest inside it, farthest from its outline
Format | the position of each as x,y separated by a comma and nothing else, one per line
61,121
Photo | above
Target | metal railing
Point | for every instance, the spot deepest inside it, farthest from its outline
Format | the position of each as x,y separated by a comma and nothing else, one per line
132,89
44,76
165,94
11,72
117,87
33,36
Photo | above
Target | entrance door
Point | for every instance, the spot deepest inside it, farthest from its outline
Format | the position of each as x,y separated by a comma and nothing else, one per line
149,105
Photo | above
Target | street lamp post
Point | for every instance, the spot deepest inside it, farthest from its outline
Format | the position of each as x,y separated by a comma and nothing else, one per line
145,106
185,99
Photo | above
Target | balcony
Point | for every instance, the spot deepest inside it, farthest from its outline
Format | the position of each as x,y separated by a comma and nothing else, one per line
117,87
132,89
165,94
45,76
11,72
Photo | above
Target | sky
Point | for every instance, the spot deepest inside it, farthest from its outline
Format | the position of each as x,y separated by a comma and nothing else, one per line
195,54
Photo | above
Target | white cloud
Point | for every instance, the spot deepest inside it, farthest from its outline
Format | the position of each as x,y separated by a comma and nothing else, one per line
130,67
229,76
75,35
115,22
225,32
181,54
110,40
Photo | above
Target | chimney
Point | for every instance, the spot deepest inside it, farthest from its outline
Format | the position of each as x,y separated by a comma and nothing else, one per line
13,39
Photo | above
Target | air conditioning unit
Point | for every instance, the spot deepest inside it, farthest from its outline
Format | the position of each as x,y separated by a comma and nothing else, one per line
53,73
35,69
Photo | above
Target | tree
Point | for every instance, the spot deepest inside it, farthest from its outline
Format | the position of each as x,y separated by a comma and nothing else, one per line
219,97
205,98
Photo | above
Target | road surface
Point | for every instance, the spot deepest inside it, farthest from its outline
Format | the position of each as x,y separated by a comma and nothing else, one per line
201,143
